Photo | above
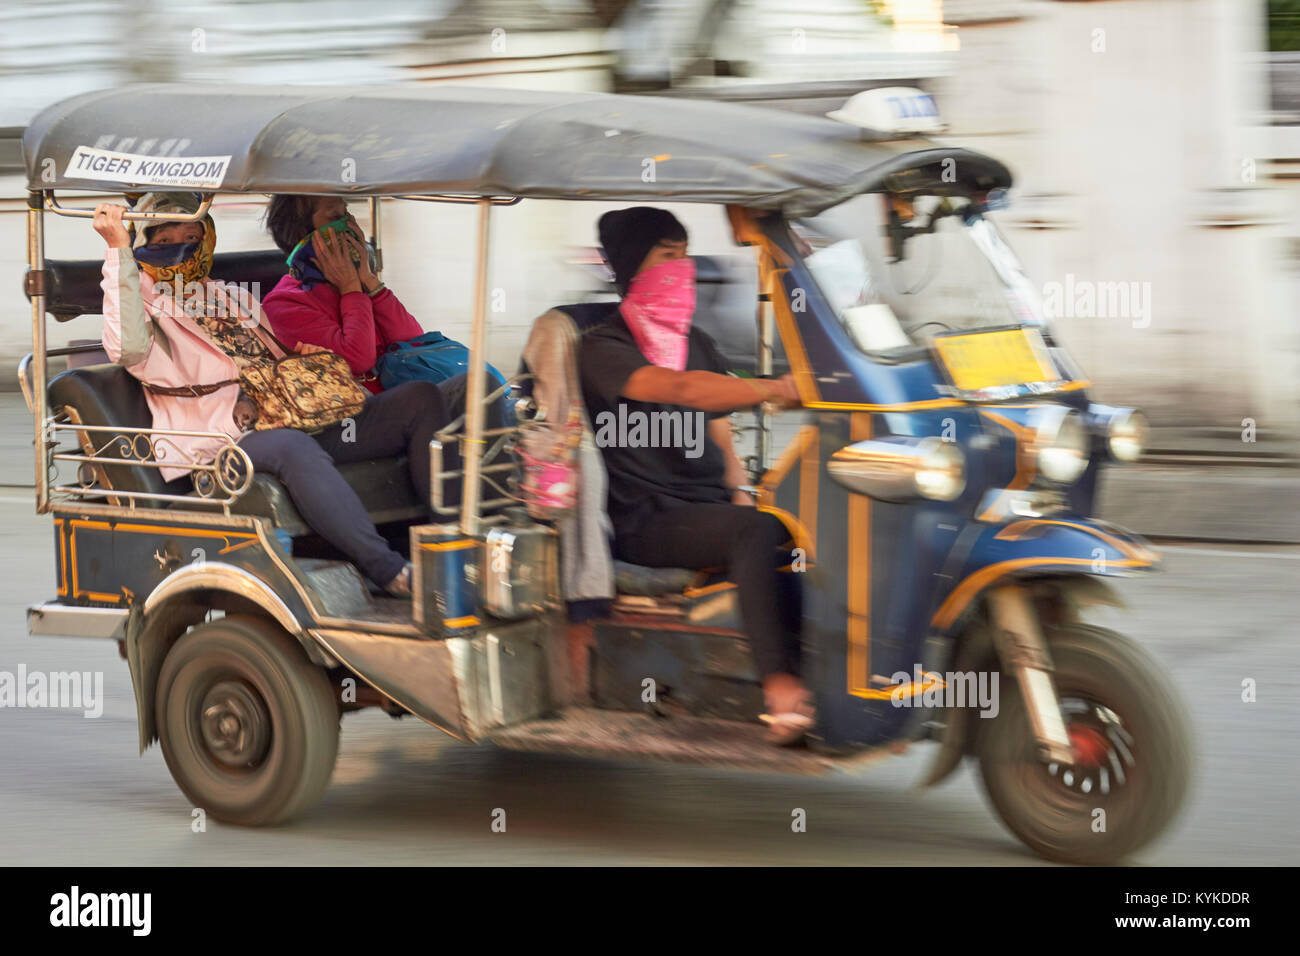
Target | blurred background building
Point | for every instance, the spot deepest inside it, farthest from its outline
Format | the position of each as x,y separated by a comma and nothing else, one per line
1156,145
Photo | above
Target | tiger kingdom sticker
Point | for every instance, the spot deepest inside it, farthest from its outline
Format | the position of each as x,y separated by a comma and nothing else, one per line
193,172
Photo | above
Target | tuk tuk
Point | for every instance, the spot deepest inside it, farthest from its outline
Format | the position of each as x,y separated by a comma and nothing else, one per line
938,488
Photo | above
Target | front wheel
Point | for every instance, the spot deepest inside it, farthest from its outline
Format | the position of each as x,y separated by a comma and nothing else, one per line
1131,744
249,727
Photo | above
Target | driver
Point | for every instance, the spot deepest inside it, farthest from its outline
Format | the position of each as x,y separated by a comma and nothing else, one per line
680,503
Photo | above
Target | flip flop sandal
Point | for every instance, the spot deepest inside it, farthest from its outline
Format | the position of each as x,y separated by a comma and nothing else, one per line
788,729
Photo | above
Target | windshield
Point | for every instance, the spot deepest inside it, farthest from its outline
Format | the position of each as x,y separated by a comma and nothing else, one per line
955,272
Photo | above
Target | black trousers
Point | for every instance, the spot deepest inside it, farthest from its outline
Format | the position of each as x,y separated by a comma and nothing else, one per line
401,420
751,545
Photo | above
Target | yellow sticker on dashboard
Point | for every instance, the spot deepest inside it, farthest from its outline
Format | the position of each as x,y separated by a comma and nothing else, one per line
991,359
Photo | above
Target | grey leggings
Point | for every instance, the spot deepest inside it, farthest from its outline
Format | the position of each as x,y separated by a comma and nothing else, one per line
399,421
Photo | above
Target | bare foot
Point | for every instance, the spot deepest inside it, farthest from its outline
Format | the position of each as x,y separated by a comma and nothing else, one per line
790,713
783,693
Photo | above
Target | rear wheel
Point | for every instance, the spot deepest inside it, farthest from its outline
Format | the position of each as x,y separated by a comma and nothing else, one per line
1132,753
249,727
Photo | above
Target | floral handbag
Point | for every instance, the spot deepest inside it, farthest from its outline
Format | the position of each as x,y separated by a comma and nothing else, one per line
308,391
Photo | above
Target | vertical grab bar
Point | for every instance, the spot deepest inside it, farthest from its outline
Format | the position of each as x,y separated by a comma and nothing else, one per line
36,268
474,408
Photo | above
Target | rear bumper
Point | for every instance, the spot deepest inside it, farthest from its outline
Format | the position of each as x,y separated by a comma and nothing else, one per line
65,620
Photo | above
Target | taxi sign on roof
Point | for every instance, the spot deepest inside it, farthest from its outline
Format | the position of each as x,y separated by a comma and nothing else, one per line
891,109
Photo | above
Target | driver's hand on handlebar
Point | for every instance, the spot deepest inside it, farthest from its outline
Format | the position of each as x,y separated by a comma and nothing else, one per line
108,223
782,392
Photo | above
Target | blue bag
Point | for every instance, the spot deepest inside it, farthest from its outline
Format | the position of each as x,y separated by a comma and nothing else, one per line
431,357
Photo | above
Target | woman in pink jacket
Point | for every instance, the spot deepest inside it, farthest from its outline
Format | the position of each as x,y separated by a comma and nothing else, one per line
331,297
172,327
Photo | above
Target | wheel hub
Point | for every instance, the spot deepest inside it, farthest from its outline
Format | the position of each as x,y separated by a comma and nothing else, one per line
1103,754
236,726
1090,747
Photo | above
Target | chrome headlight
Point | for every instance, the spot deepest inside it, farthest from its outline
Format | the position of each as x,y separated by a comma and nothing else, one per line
1126,435
941,474
1061,447
898,468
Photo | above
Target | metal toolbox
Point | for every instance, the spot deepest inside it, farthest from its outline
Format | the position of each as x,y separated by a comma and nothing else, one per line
446,579
520,570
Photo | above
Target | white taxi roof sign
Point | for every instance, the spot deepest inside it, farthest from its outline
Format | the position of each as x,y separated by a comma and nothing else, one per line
903,110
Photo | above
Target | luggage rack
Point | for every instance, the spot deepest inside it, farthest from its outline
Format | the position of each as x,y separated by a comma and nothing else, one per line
499,457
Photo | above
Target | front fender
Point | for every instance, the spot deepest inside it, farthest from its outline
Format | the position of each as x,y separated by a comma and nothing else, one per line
1034,547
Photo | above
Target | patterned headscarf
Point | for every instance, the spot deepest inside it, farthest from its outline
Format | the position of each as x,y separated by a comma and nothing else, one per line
184,261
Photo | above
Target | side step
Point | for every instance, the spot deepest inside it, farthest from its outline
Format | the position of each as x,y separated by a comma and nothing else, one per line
624,735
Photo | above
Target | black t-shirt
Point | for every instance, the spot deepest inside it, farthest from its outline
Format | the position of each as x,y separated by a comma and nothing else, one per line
686,466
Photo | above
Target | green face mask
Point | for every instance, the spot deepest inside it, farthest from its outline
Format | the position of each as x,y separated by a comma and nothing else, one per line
336,225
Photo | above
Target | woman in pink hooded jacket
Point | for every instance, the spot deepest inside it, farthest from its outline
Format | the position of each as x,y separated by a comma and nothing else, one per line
172,327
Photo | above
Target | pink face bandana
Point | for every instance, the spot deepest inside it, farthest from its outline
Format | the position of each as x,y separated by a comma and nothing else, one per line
658,308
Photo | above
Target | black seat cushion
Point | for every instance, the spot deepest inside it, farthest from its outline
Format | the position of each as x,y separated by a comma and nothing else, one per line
650,582
72,285
110,395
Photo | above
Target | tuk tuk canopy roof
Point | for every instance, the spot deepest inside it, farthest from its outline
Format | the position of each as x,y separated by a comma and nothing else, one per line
403,140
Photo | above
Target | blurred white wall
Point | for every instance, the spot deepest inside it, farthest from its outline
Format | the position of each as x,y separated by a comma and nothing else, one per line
1126,124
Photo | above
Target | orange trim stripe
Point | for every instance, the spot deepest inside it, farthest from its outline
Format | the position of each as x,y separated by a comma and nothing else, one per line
858,657
1025,466
1014,531
63,557
183,532
798,533
709,589
792,452
236,547
468,620
809,483
899,407
904,691
450,545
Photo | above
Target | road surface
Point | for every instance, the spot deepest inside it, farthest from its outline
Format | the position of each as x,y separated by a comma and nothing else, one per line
75,792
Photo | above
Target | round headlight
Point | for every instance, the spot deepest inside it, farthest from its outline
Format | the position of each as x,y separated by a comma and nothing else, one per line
941,473
1062,446
1127,435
